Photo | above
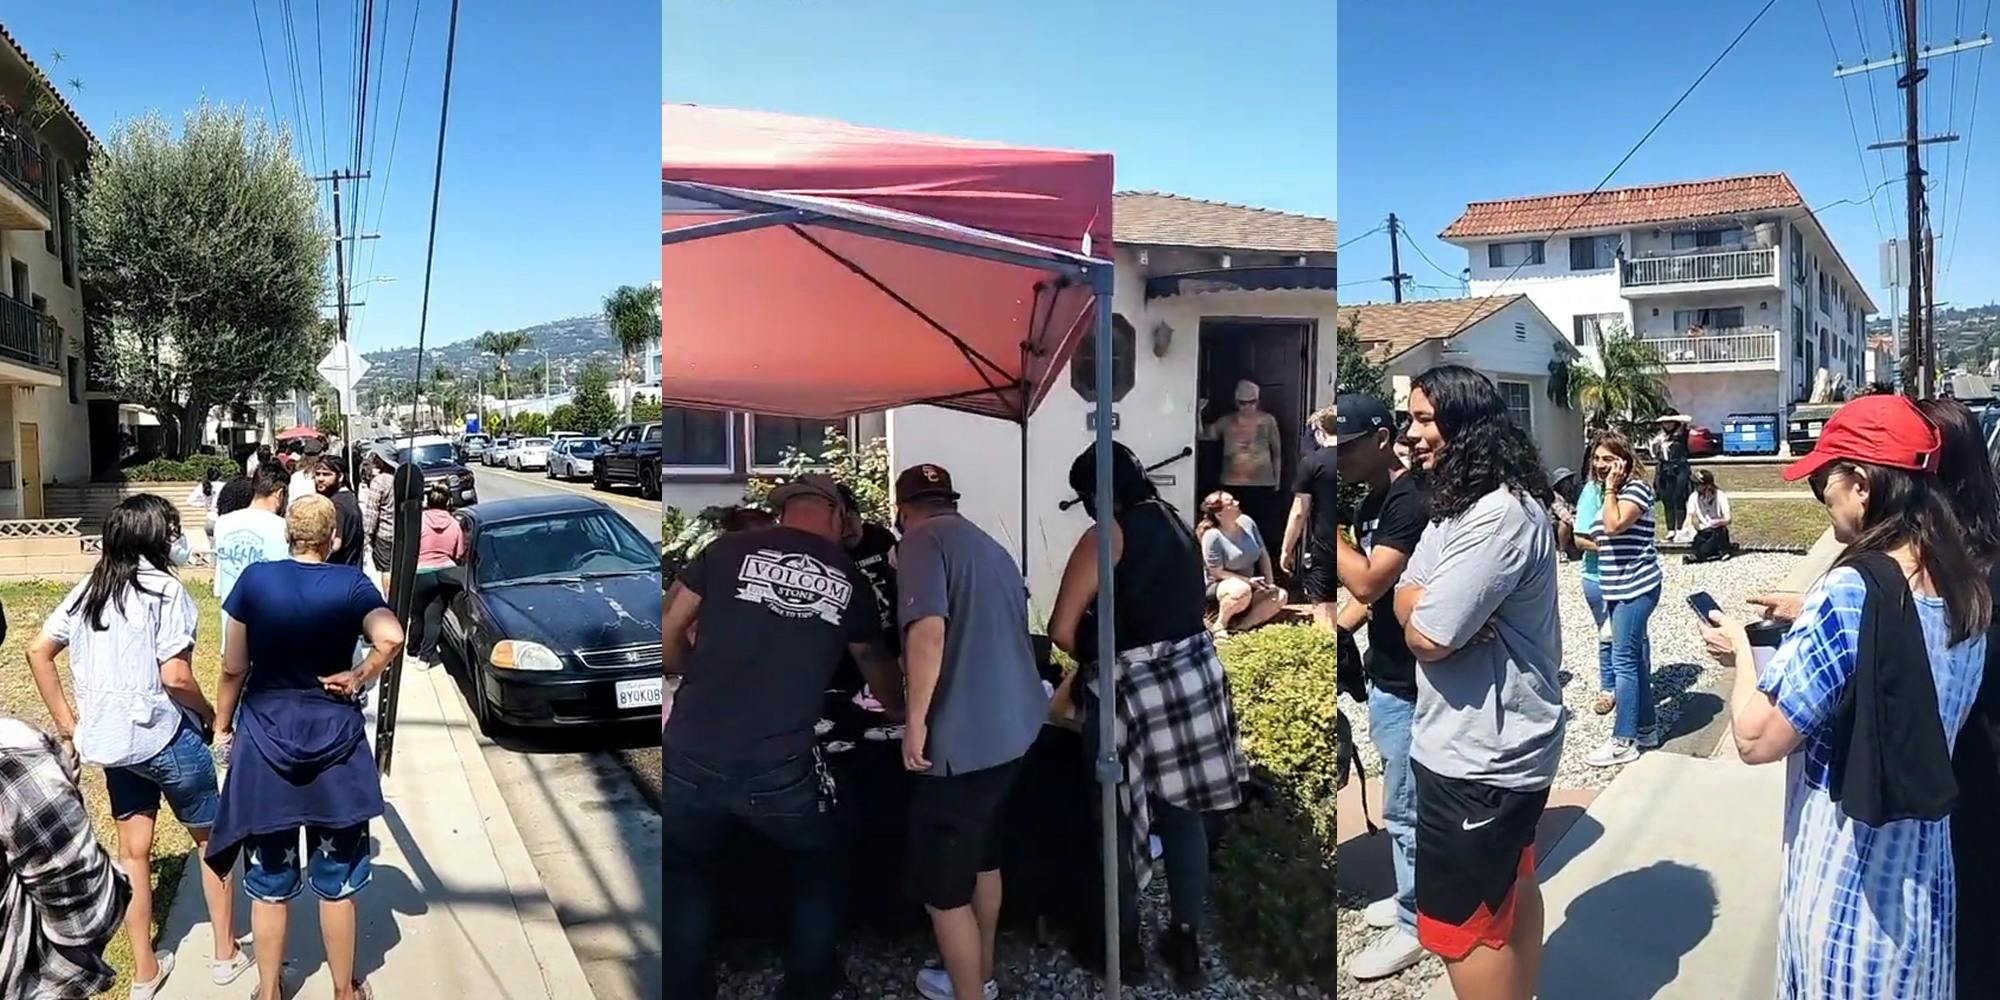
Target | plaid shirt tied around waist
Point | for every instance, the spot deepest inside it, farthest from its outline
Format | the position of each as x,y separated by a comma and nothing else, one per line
62,899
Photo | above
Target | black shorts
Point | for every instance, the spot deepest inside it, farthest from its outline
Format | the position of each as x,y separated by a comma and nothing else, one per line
1474,843
955,833
1316,578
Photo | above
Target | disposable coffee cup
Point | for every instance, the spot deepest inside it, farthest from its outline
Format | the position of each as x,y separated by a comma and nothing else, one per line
1765,638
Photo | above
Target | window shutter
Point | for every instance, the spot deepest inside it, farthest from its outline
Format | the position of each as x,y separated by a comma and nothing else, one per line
1493,256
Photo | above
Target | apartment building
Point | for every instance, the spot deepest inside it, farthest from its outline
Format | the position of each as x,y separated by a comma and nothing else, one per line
1731,280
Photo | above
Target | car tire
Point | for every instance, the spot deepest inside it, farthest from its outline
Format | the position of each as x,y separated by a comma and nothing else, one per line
597,480
649,482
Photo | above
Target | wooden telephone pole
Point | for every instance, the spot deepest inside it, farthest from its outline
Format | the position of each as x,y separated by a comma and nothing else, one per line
1396,276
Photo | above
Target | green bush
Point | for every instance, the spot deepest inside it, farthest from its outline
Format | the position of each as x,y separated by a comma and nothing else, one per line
1274,871
181,470
864,468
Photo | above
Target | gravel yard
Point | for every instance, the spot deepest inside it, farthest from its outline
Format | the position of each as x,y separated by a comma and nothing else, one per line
1680,666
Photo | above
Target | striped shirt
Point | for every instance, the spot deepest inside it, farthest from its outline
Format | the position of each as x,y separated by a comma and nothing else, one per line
1867,913
1628,563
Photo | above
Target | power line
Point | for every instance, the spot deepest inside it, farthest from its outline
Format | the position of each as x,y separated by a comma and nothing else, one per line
1427,259
395,132
1965,162
270,92
1853,128
1356,239
1867,84
437,189
1634,151
319,61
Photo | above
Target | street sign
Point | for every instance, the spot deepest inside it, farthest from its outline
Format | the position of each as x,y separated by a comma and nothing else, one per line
1895,264
343,369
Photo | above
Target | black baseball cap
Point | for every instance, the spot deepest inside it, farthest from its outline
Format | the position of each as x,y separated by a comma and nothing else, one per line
925,482
1357,415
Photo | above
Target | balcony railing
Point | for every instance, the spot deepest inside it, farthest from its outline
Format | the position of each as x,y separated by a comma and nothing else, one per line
21,162
1697,268
1743,345
28,337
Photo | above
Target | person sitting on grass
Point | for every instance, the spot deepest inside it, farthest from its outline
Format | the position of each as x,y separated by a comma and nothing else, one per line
1708,520
1238,566
141,714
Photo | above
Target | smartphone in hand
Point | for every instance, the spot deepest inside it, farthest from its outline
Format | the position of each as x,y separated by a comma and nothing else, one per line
1704,606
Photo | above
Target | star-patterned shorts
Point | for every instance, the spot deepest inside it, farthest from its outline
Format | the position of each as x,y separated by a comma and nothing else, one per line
336,863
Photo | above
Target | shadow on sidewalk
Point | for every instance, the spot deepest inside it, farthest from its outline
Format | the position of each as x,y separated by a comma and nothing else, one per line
1626,937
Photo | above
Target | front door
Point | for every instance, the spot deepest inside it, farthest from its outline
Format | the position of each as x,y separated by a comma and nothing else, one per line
31,471
1275,355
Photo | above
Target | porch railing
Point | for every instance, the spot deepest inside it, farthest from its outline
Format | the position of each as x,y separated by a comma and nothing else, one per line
28,337
1695,268
1718,346
21,162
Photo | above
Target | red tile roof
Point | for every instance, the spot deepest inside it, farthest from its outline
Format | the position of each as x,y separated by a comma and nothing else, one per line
1388,330
49,85
1157,219
1630,206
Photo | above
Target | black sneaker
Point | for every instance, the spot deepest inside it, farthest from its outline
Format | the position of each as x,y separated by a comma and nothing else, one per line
1180,948
1088,950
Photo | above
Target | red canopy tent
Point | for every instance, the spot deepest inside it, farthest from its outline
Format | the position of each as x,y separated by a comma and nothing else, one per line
817,269
832,296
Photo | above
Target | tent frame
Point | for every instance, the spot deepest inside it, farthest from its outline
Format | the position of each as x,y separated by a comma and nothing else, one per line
766,212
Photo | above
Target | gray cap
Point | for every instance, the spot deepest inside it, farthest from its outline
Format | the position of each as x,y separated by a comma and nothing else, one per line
814,485
384,452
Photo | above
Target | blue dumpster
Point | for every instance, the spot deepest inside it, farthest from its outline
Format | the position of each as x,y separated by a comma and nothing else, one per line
1750,434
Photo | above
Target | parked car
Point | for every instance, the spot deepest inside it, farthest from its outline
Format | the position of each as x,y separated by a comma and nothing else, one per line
557,620
529,453
472,447
1703,441
630,456
496,453
571,458
438,458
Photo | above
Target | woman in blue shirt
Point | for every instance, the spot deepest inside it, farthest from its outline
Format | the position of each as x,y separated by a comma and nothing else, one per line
1582,531
302,764
1629,577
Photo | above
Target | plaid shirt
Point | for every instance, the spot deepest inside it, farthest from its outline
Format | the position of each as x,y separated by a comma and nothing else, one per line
1176,734
62,899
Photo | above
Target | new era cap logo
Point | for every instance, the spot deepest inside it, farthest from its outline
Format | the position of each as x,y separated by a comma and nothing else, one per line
931,473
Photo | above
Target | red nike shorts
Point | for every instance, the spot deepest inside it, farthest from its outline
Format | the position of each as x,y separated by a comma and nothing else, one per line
1474,843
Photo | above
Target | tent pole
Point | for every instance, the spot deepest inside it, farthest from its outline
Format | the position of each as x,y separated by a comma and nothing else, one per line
1024,470
1107,647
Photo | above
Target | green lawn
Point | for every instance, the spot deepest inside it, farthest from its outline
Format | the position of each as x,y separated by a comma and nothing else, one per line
27,605
1758,478
1775,522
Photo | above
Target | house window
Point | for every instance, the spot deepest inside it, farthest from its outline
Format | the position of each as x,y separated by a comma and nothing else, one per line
1798,332
696,440
1709,239
1514,254
1083,366
75,381
65,214
1709,319
48,189
1520,399
1590,330
20,286
1592,253
773,438
1798,257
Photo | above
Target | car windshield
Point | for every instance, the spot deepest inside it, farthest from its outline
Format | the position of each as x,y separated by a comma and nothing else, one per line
584,447
535,443
475,439
426,455
575,545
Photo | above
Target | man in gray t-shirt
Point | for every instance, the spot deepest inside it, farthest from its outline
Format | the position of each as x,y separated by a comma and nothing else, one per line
976,705
1490,710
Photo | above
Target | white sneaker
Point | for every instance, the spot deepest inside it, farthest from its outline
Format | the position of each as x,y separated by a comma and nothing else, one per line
146,991
1613,753
224,973
935,984
1391,952
1381,913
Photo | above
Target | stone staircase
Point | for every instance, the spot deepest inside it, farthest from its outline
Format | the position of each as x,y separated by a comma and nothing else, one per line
64,545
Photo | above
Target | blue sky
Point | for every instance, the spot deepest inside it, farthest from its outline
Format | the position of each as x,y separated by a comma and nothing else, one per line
1470,101
1236,106
551,193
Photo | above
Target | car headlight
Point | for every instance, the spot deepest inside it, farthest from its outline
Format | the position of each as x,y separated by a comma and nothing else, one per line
451,480
515,654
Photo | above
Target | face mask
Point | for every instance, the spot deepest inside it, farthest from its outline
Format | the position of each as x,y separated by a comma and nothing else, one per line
182,553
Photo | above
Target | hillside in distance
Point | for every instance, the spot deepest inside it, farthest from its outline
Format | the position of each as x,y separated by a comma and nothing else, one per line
570,343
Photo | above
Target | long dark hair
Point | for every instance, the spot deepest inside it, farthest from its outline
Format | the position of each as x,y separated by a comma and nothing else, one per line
1484,449
140,529
1915,509
1967,475
1129,483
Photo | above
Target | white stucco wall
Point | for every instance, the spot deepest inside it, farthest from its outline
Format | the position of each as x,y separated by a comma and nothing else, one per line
1156,419
64,427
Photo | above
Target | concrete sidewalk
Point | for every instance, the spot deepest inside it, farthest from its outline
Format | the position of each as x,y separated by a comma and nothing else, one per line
456,908
1667,888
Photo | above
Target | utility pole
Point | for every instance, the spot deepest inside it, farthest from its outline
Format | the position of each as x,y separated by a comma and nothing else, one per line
1919,364
340,291
1396,276
1930,305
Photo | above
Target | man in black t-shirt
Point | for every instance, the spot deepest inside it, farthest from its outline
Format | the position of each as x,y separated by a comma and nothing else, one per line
1309,533
872,548
776,609
1388,523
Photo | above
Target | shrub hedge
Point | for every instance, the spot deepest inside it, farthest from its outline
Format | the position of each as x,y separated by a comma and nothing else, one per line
181,470
1274,868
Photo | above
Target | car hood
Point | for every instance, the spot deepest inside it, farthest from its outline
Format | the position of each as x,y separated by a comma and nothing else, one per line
593,614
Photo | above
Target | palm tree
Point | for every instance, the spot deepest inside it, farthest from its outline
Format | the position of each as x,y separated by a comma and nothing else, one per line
500,345
1626,388
634,315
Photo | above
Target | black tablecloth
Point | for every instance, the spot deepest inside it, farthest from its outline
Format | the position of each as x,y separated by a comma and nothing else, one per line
1050,855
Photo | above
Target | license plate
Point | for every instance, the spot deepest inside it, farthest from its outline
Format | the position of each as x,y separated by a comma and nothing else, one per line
641,693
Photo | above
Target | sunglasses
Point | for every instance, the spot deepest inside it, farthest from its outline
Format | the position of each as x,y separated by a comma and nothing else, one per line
1818,481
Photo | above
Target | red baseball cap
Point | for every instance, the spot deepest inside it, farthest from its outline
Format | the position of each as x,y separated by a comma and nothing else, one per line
1885,430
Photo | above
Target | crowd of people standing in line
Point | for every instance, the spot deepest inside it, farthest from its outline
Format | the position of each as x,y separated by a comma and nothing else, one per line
1874,687
934,618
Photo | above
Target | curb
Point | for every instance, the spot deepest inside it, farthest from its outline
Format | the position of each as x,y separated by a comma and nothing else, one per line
562,971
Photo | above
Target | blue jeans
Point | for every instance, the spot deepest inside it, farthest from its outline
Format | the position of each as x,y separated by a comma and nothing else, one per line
1184,838
1593,595
1632,663
183,771
701,805
336,863
1389,719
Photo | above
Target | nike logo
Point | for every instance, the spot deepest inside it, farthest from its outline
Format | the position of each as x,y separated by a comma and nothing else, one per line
1470,825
